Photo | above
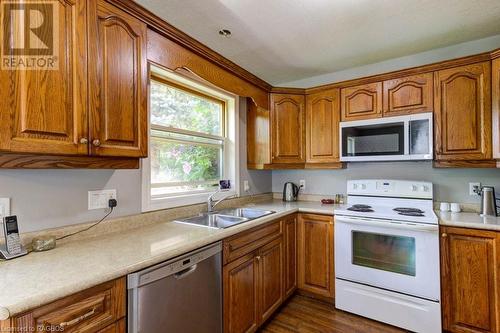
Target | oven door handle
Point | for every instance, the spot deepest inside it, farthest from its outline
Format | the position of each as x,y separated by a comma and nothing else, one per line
389,224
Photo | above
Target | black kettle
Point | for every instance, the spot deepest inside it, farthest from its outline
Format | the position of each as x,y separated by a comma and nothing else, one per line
290,192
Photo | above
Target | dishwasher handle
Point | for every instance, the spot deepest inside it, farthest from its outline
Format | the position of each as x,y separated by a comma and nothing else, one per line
188,271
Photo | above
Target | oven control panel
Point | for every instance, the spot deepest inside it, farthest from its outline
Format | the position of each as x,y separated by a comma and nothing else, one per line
390,188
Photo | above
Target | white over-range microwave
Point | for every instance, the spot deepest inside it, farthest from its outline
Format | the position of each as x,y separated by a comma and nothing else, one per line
387,139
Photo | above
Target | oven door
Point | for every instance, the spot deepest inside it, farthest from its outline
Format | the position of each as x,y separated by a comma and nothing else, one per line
387,139
397,256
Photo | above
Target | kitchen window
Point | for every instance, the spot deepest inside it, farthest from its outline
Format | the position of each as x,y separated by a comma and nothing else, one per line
191,142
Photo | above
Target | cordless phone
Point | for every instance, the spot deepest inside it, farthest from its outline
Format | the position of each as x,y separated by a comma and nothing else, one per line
12,247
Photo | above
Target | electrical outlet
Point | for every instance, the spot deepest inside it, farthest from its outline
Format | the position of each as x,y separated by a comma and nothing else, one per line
302,184
4,207
99,199
473,187
246,186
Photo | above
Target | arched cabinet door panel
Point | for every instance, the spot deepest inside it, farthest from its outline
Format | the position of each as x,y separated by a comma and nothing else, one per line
117,82
361,102
322,127
463,113
288,130
406,95
43,108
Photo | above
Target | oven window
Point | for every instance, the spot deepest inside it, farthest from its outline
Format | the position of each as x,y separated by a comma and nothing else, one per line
373,140
384,252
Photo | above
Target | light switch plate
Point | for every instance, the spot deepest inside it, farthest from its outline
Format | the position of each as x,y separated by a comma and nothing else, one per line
4,207
302,184
246,186
99,199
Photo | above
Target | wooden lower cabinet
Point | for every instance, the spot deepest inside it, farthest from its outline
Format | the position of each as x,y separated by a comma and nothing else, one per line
257,282
315,255
470,280
118,327
270,264
241,289
100,309
290,255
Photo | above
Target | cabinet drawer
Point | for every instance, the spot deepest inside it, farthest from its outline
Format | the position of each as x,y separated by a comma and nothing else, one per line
118,327
92,310
241,244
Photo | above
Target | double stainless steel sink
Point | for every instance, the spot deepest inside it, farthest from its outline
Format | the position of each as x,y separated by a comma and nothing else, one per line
226,218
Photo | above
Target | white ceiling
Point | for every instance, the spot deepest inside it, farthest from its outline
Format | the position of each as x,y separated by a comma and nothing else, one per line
288,40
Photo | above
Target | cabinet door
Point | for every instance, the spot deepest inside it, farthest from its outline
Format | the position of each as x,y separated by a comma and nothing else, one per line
288,131
241,295
361,102
117,82
258,136
496,107
322,127
463,113
316,273
43,111
271,277
290,255
406,95
470,283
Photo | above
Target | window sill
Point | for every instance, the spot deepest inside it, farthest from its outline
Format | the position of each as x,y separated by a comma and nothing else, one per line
184,200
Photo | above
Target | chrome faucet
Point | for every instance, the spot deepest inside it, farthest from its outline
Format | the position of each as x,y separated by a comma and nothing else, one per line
210,201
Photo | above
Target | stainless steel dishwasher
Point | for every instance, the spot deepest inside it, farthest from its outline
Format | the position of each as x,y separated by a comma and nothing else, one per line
180,295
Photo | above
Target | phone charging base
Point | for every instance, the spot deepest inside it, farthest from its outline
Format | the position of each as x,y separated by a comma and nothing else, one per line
4,254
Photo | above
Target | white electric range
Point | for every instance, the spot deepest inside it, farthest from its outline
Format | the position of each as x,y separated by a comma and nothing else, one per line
387,254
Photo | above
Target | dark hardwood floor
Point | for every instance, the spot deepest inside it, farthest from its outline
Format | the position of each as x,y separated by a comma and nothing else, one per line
306,315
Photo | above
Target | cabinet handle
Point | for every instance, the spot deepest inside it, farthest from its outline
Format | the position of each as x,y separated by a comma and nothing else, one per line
444,235
78,319
258,258
84,141
96,142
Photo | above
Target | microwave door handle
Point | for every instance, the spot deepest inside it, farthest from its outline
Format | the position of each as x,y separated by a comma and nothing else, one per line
407,138
388,224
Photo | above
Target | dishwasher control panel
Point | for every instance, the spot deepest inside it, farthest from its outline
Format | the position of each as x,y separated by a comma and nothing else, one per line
172,266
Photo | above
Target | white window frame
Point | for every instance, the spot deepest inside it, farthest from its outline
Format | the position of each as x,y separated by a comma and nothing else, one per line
230,169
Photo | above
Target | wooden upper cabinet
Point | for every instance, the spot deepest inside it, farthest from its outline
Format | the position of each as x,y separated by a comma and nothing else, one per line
470,281
315,255
496,106
288,130
118,82
463,113
258,136
361,102
411,94
44,110
322,127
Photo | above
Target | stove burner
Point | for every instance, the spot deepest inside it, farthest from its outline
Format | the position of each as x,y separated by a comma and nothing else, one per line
361,208
411,214
408,210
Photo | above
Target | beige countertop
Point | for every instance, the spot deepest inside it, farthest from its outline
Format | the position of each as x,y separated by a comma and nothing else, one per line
40,278
468,220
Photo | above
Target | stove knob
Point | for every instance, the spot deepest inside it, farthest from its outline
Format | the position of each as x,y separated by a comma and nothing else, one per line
363,186
414,188
424,188
355,186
